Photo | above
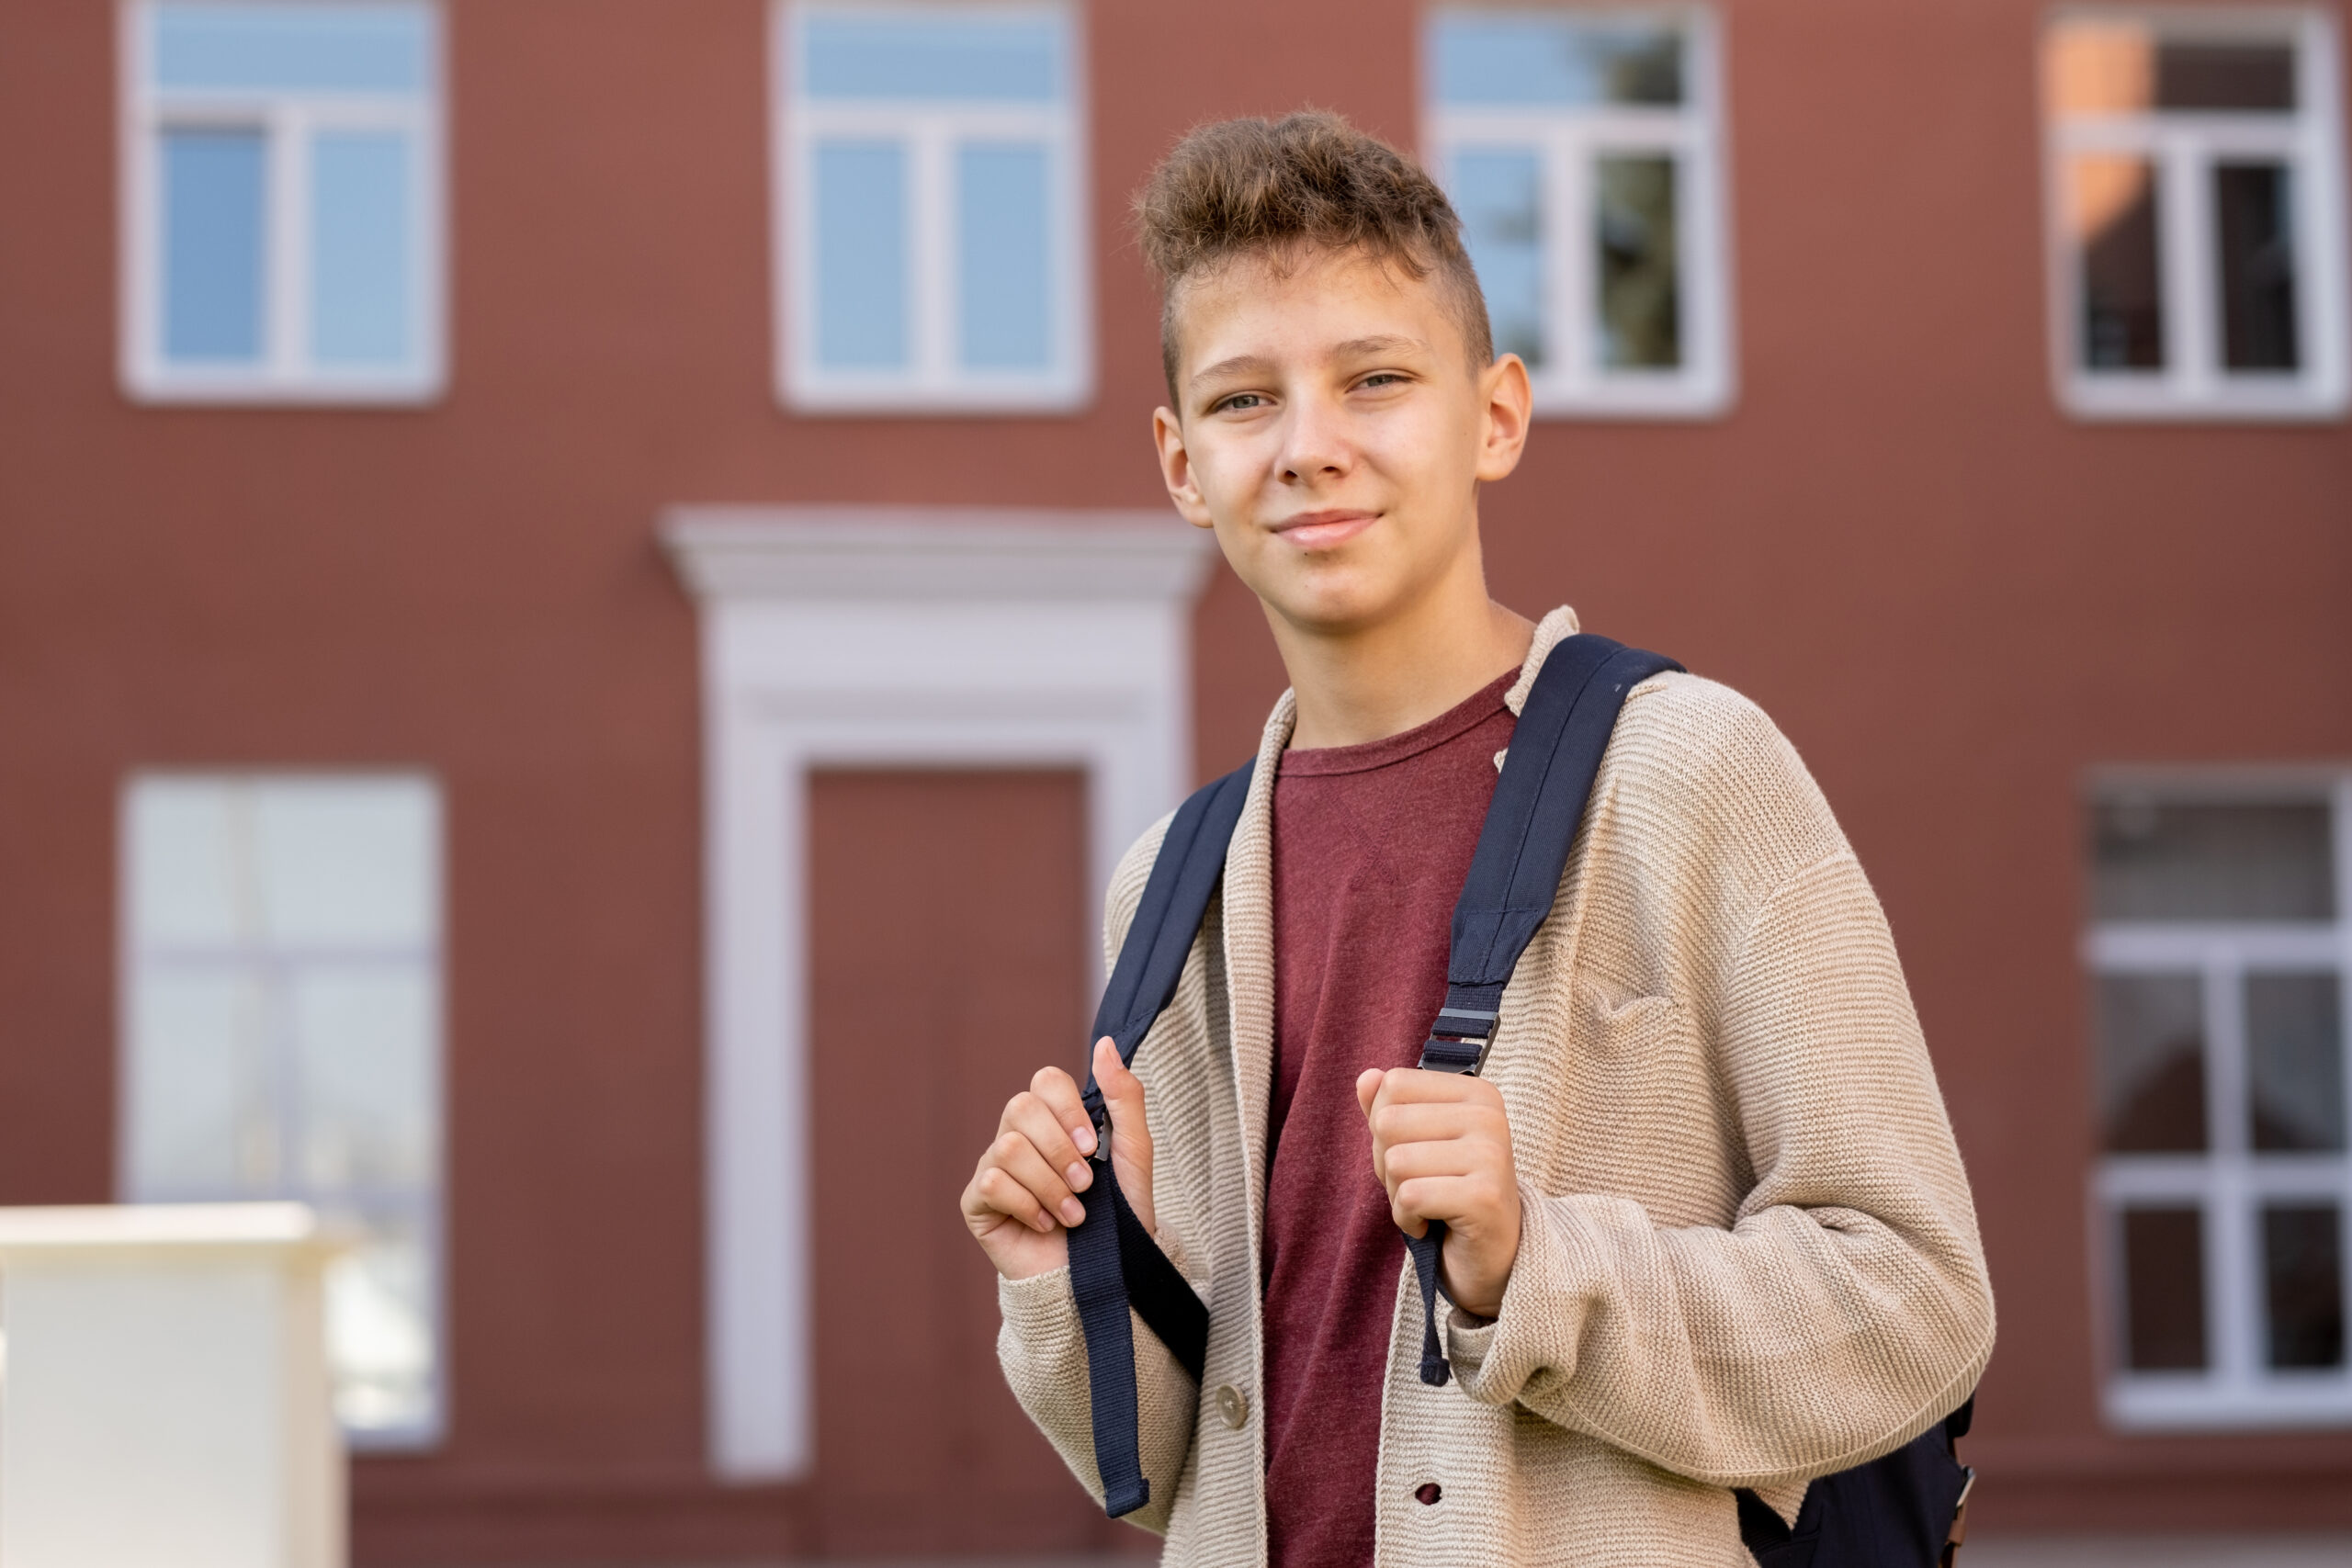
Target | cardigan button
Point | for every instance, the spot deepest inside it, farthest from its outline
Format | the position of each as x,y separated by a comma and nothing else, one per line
1233,1405
1428,1492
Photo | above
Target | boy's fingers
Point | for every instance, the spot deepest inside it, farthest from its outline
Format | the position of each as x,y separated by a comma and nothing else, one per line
1401,1086
1425,1198
999,1193
1018,1157
1436,1157
1033,1120
1433,1122
1059,1093
1368,1086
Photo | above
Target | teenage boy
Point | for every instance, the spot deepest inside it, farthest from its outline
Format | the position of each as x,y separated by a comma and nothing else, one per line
1706,1228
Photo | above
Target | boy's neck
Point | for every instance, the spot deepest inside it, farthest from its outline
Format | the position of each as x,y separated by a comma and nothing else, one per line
1367,683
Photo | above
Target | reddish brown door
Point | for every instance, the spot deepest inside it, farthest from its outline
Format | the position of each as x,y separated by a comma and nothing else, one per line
947,931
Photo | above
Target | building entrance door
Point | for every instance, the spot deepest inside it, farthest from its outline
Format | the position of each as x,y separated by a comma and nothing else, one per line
947,964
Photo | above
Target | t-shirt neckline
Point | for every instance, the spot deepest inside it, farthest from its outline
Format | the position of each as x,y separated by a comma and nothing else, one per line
1460,719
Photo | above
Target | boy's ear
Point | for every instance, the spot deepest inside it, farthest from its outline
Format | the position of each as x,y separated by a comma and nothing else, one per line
1176,468
1510,405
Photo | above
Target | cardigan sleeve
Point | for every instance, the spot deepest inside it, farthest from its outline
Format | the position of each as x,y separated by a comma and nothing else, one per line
1846,1308
1041,1346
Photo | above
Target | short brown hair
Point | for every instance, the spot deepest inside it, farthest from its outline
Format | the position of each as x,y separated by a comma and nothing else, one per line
1271,187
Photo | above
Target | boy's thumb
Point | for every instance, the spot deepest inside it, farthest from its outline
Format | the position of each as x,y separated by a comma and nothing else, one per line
1122,1090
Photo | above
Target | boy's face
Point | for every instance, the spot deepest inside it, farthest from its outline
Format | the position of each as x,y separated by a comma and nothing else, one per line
1331,430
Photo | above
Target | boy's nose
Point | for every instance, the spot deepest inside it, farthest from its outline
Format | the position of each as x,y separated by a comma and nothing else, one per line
1315,447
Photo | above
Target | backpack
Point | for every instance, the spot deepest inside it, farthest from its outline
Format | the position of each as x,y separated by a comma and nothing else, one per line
1899,1511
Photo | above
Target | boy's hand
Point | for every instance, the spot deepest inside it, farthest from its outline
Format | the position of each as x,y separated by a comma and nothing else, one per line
1442,1148
1024,1192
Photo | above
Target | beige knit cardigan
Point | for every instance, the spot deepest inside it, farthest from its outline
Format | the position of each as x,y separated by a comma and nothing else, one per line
1749,1255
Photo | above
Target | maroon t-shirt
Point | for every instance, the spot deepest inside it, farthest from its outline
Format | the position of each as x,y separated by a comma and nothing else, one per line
1370,845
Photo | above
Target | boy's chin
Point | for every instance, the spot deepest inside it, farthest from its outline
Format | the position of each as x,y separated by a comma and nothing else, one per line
1333,600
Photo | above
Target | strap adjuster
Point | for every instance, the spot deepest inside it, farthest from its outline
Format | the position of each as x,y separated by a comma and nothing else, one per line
1464,1023
1441,1055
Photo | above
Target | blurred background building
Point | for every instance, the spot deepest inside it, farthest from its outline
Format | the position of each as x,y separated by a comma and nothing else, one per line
584,601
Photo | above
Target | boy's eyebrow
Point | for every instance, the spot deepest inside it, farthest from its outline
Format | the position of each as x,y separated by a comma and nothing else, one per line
1389,343
1239,365
1354,348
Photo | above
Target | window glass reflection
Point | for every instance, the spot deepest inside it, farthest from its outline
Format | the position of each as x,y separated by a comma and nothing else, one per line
1641,307
1529,58
215,210
2115,218
2164,1288
2204,74
861,200
1001,219
2303,1275
931,57
2166,861
2122,67
379,1328
2152,1064
364,1059
2294,1028
2253,231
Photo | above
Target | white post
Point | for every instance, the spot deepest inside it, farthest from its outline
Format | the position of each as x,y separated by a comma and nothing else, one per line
164,1396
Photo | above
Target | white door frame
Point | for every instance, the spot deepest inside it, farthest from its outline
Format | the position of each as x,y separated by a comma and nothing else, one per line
866,636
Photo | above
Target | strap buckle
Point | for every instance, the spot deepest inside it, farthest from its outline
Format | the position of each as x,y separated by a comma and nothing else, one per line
1458,1041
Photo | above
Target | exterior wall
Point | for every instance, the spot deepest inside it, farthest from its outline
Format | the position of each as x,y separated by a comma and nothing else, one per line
1953,599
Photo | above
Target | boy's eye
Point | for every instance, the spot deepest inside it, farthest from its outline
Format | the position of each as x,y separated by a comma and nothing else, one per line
1239,401
1381,378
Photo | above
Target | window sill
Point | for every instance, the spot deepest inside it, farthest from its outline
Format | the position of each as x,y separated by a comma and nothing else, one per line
2154,1402
1682,404
152,388
2119,401
851,399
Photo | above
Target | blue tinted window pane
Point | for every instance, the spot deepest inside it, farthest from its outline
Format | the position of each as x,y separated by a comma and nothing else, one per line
213,211
359,248
862,255
923,57
1529,58
1001,219
323,48
1495,193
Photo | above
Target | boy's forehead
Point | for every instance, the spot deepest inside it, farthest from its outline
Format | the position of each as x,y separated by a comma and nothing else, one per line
1309,299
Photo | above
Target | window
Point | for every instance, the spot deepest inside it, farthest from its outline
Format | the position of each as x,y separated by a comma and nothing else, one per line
2218,948
282,1039
932,224
1581,150
282,178
2195,214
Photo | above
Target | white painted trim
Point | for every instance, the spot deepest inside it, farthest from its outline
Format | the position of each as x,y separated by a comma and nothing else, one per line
286,375
1572,383
842,636
2183,146
928,131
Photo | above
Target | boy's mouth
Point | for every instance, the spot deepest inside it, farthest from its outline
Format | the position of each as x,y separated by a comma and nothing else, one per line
1322,530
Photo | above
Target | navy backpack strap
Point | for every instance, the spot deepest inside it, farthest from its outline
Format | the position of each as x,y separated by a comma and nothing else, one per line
1522,851
1113,1261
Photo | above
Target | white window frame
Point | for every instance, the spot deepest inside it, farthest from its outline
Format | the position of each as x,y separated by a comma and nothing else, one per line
425,1208
2184,145
1573,384
287,118
930,129
2229,1182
